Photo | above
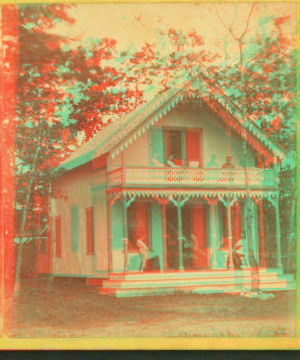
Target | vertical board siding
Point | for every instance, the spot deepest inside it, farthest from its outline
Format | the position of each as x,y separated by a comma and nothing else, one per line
89,230
58,248
74,228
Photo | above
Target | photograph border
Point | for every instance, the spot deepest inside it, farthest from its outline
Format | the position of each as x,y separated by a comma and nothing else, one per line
176,343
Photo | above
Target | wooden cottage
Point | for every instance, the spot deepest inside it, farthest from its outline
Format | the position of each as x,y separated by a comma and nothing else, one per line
161,174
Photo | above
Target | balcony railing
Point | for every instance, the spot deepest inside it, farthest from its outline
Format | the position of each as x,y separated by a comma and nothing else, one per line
165,176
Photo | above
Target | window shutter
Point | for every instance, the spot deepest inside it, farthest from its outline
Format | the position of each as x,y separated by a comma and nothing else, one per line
157,145
194,146
74,228
58,235
89,230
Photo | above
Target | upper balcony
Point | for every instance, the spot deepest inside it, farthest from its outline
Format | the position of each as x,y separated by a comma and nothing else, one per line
192,177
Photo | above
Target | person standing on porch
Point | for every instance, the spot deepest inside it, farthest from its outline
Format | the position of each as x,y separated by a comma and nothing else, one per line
126,257
222,253
248,261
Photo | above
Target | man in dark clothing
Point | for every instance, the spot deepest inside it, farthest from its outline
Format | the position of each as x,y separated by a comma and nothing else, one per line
228,164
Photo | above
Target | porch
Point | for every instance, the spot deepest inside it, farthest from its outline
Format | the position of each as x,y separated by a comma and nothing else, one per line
193,282
169,220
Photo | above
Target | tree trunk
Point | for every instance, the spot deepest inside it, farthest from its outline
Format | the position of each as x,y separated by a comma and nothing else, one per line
291,239
24,217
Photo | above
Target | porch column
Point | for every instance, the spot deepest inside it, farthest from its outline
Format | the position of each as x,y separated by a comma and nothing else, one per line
163,202
109,233
278,236
125,228
180,266
261,234
164,223
229,236
179,203
212,202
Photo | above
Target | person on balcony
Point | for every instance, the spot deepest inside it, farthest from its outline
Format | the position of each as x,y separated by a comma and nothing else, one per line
170,162
228,164
155,160
146,256
212,163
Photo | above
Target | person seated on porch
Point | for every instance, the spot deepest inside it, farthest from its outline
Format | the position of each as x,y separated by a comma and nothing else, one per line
212,163
127,246
155,160
187,252
170,162
228,164
223,251
147,256
242,252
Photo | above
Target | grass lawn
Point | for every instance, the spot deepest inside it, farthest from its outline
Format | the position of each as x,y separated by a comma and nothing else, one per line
74,310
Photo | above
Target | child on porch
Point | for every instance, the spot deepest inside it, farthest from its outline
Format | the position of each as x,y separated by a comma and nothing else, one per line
147,255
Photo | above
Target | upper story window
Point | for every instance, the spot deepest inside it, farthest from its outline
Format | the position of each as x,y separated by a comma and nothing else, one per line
184,147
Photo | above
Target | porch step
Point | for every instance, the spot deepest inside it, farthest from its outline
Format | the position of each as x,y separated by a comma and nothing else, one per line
204,289
126,285
188,274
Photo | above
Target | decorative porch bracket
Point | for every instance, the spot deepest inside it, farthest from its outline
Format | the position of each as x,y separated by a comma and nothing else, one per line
179,203
230,200
213,202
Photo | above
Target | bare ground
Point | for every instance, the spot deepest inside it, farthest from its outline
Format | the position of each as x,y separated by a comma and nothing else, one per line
74,310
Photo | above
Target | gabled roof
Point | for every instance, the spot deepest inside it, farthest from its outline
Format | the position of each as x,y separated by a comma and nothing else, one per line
120,134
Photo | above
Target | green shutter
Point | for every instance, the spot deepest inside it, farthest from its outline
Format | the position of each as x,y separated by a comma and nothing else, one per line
117,226
156,145
74,228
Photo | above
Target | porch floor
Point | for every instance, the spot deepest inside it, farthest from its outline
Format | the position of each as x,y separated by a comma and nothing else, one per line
132,284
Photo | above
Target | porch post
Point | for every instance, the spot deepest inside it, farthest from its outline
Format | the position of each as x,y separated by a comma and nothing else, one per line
278,236
261,235
179,203
214,263
164,221
180,267
229,235
213,202
109,232
125,228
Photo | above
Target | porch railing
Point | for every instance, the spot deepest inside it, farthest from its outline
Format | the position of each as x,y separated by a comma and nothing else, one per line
192,177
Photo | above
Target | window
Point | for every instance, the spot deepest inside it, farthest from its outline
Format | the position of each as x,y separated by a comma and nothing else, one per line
184,147
74,228
58,235
174,146
89,213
